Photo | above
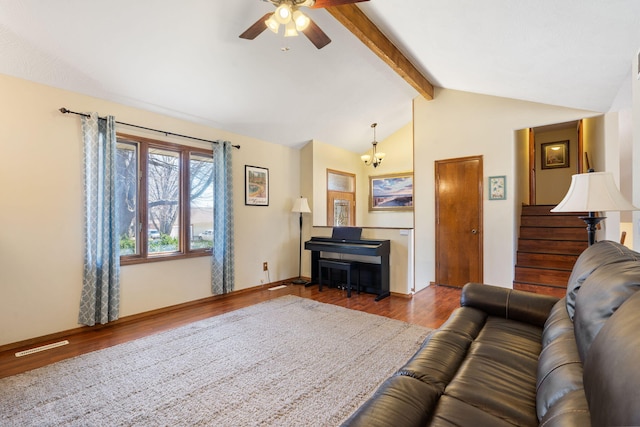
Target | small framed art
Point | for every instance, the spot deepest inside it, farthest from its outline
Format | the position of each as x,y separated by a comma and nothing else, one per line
256,186
498,187
555,155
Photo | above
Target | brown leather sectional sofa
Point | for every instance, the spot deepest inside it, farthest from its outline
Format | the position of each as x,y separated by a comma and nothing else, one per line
508,357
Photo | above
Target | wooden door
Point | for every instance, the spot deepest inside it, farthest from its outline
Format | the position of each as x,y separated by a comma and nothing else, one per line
341,209
459,221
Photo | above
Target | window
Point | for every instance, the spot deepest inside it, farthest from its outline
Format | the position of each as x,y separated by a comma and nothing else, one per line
166,200
341,198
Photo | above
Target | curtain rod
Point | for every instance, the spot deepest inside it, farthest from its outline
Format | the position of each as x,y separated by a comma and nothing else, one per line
63,110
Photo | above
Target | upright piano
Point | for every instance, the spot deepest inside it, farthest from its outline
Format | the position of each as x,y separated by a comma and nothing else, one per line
373,256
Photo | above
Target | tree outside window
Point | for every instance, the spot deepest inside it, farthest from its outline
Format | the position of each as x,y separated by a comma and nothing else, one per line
166,200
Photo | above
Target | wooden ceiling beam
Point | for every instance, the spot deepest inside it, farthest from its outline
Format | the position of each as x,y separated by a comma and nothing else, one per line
357,22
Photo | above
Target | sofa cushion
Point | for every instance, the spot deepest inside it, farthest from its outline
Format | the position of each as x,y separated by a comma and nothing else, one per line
601,253
453,412
560,386
570,411
611,374
407,401
499,373
606,289
559,373
557,324
444,350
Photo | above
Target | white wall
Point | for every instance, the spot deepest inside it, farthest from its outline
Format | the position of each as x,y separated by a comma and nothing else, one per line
458,124
41,215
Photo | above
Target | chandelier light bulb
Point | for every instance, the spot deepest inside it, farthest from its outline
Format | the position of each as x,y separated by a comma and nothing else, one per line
283,14
272,24
290,29
302,21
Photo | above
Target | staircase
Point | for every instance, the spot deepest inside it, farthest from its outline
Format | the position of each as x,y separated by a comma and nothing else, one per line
548,247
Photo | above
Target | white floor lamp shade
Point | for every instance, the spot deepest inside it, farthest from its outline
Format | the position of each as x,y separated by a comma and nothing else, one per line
593,192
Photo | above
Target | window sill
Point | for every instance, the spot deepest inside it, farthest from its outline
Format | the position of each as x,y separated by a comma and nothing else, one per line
132,260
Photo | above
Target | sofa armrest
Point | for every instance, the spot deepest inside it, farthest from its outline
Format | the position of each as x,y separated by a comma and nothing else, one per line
508,303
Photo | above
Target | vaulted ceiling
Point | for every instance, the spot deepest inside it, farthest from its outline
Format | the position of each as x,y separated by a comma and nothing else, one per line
185,59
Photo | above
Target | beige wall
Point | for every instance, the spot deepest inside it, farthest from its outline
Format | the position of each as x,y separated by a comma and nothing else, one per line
458,124
325,156
399,158
317,157
41,215
552,184
635,176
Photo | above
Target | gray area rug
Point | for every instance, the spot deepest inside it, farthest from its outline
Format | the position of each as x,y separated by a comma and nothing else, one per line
289,361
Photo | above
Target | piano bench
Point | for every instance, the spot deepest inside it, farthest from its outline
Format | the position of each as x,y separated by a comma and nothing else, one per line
339,264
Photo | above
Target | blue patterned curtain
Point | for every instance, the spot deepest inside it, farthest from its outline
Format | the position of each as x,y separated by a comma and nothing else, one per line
222,269
100,299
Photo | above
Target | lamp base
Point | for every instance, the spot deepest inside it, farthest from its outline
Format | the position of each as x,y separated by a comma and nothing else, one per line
299,281
592,222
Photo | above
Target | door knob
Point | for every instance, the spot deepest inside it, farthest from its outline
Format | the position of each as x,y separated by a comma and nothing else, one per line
474,231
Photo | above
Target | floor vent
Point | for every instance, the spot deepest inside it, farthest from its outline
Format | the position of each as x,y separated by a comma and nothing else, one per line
41,348
277,287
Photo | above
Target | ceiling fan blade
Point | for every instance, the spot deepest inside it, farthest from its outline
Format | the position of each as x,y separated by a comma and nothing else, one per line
256,29
327,3
316,35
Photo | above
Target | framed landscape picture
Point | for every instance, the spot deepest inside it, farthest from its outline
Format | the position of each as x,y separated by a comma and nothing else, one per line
555,155
392,192
256,186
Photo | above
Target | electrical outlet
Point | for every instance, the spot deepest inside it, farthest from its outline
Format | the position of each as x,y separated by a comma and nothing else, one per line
265,266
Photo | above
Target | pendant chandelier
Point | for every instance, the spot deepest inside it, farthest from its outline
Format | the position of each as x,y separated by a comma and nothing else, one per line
376,158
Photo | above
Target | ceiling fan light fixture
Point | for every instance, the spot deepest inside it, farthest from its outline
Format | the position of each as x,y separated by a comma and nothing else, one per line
302,21
272,24
283,14
290,29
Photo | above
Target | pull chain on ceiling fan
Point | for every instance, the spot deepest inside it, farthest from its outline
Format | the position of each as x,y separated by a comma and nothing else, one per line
288,15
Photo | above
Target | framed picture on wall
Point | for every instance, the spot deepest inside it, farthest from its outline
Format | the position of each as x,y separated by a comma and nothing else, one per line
555,155
256,186
392,192
498,187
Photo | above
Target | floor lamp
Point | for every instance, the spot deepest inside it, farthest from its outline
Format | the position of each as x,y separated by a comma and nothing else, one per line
300,206
593,192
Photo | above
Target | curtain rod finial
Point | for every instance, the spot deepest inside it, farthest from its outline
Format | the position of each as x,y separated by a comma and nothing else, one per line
63,110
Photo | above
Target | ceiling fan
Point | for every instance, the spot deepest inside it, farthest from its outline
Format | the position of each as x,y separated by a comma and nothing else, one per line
288,14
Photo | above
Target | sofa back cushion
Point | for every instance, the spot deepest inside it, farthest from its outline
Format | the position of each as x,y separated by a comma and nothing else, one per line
611,374
601,253
604,291
559,392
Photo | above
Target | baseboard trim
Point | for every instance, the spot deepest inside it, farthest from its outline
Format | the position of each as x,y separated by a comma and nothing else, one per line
56,336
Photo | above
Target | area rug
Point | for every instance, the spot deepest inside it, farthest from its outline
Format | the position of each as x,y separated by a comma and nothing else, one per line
290,361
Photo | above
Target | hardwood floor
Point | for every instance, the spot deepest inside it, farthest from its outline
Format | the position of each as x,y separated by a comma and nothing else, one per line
429,307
